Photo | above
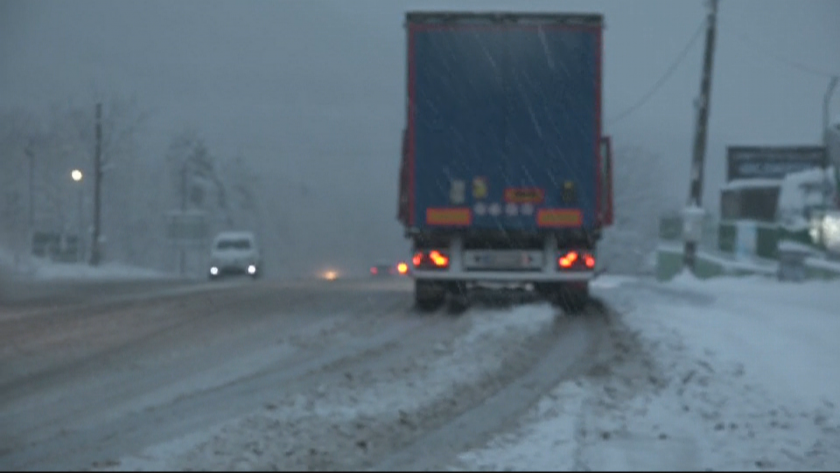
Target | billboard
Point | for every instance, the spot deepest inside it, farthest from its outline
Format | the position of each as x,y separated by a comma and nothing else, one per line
771,162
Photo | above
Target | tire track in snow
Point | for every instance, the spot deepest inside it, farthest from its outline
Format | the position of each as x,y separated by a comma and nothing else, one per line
562,355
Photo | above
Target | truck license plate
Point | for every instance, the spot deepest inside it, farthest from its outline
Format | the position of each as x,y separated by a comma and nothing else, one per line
503,260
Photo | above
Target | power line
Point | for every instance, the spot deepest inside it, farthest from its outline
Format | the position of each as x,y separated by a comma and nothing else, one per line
671,69
796,65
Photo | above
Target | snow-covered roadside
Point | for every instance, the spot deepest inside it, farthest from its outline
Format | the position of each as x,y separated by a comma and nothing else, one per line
368,407
44,270
747,381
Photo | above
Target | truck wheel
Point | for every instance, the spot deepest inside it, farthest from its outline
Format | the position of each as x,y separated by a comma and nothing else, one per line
458,299
572,299
428,295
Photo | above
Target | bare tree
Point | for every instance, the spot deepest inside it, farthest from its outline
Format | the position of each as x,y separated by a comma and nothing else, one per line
242,186
18,128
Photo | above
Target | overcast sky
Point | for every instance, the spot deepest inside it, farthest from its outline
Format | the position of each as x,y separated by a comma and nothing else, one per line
316,88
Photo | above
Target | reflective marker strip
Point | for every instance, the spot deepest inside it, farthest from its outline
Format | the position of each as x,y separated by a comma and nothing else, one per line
559,218
450,216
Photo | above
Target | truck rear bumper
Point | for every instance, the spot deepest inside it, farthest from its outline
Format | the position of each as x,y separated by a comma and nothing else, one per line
505,276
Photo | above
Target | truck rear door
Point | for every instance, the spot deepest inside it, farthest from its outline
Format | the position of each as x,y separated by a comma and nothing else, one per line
504,122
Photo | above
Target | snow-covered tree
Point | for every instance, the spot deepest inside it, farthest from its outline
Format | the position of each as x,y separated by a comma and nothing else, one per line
640,199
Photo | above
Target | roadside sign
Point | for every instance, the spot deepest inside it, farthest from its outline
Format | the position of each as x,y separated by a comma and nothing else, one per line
187,227
771,162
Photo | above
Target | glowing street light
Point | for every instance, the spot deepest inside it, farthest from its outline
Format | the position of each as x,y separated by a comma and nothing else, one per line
77,176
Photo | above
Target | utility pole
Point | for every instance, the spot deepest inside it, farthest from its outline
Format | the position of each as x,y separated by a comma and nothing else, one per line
695,198
832,84
30,156
183,251
97,189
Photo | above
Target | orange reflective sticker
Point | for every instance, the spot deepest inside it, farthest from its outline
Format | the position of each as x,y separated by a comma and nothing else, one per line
450,216
559,218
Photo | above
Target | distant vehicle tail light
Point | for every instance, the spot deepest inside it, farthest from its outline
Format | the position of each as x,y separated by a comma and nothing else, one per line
432,259
373,271
575,260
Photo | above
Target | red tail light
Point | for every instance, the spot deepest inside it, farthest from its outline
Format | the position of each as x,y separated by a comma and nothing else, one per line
576,261
373,270
432,259
568,260
438,259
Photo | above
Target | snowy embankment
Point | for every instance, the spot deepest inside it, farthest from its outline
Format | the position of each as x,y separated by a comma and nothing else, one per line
41,269
724,374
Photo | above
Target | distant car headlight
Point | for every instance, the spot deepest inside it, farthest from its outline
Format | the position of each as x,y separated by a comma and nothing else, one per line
252,269
214,271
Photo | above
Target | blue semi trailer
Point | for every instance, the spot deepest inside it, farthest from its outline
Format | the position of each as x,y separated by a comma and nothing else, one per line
505,174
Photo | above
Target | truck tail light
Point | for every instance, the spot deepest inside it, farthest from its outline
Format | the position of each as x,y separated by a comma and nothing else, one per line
432,259
568,260
575,260
439,259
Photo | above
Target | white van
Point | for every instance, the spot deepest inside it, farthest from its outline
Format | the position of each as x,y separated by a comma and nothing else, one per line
235,253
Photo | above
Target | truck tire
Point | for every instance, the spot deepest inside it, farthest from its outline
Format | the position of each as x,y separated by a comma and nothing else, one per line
429,296
459,300
572,299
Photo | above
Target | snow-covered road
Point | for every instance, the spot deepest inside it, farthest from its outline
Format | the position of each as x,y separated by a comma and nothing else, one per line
307,375
291,375
727,374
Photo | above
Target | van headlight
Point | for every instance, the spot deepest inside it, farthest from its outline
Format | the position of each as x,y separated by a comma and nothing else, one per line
252,269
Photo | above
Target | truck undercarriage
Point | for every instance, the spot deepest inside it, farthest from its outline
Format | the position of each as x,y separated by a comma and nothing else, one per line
451,265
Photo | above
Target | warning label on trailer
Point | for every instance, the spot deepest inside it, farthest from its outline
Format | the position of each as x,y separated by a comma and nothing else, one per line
524,196
479,188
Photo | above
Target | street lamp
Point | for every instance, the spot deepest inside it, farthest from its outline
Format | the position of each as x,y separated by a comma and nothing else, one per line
77,177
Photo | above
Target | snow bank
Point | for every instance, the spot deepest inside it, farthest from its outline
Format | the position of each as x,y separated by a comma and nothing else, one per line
729,265
45,270
800,190
796,247
11,261
742,184
745,382
832,266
